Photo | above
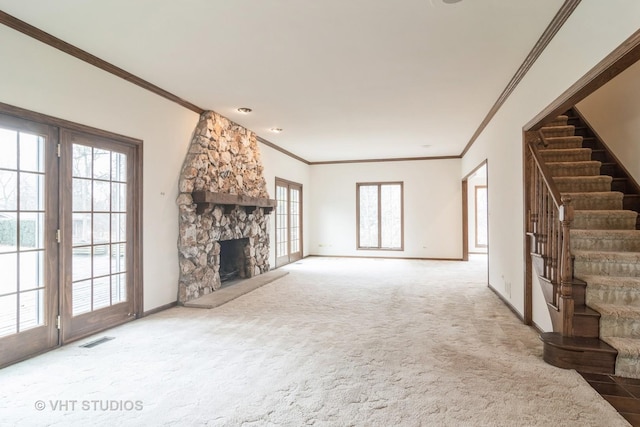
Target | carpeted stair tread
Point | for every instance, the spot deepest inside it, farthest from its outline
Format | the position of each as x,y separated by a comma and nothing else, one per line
627,360
605,240
560,120
617,311
597,200
566,154
624,346
560,130
596,183
612,281
585,168
615,256
604,219
606,263
554,142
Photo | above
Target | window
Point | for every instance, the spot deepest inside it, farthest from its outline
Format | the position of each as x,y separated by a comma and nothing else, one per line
380,215
481,216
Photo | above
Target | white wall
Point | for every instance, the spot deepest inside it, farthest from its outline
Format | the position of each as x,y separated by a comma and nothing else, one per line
42,79
432,207
614,113
278,165
593,31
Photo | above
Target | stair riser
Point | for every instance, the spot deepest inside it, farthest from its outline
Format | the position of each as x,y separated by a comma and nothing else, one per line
558,131
613,295
608,222
605,268
563,143
605,244
584,186
628,367
573,169
619,327
586,326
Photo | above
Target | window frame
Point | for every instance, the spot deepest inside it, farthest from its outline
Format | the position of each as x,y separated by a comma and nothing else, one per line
379,185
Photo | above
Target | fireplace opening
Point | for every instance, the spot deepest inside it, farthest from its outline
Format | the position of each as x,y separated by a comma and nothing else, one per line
232,259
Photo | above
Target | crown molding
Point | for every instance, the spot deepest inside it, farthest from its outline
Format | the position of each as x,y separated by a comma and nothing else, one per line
554,26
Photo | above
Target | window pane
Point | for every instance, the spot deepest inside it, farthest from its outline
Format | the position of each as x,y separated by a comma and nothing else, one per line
81,195
101,164
81,263
118,258
101,195
81,229
9,278
100,260
118,227
81,292
31,270
119,197
31,231
8,190
31,191
118,167
8,315
9,149
118,288
101,292
391,216
31,152
8,232
31,309
82,161
368,216
101,222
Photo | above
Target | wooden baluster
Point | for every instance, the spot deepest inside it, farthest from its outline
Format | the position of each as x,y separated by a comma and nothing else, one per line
566,276
543,229
536,205
553,225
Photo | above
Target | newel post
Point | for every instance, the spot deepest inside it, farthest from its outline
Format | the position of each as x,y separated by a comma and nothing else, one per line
566,274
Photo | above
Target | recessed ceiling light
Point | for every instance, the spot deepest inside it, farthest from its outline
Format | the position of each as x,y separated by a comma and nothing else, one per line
244,110
451,1
276,130
426,146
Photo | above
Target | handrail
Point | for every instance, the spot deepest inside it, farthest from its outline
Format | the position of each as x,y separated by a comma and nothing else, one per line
551,215
544,171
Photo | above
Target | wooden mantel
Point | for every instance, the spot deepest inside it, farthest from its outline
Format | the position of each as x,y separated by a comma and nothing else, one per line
205,199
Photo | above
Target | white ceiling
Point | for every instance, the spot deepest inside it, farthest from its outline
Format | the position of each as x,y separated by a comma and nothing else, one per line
345,79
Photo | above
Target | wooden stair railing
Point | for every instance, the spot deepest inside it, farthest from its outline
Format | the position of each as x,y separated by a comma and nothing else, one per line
550,218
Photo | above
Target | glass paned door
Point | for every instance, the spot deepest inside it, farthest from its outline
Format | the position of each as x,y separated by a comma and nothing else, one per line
288,222
96,238
28,247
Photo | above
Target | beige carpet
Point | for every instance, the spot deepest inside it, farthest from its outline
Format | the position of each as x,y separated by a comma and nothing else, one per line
337,342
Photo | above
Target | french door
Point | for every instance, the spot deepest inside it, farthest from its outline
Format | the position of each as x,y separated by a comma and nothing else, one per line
96,255
69,236
288,222
28,249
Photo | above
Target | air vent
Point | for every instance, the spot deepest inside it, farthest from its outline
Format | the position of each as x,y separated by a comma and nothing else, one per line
99,341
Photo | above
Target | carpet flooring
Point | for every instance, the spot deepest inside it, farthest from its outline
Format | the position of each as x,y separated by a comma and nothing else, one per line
336,342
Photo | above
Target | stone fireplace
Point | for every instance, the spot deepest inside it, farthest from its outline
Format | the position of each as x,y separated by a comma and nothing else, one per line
223,206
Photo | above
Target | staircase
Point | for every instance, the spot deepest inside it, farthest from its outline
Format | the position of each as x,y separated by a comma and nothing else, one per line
605,247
